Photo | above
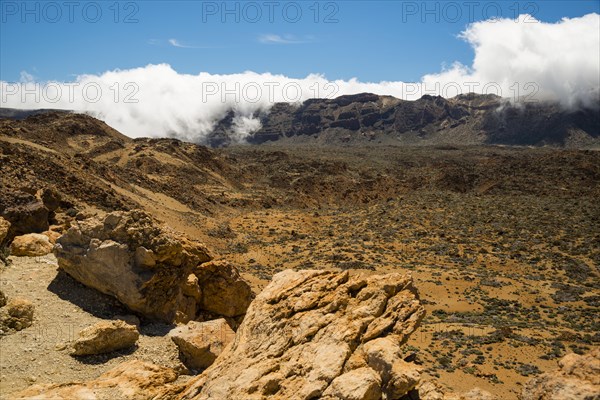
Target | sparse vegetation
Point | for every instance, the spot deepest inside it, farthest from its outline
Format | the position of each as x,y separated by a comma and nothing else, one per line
502,242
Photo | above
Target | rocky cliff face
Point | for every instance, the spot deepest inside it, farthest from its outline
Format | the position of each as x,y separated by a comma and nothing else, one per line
465,119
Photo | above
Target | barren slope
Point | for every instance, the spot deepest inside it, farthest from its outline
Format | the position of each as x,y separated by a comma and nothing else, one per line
503,242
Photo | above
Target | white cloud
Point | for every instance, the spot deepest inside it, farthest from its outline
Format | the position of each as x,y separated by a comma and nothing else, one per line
562,60
26,77
286,39
177,43
174,43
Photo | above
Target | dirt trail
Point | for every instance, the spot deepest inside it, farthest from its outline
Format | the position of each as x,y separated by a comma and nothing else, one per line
39,354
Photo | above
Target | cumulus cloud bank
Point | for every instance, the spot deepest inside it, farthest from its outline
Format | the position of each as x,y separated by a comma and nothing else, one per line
524,59
531,59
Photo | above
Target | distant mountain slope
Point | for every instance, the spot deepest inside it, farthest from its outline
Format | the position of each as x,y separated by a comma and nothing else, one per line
369,119
463,120
94,166
64,131
18,114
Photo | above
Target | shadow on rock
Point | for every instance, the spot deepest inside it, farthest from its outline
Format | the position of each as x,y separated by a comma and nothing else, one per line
156,329
89,300
98,359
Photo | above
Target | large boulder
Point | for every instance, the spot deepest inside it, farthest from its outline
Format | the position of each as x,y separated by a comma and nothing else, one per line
149,268
304,337
26,218
133,379
51,198
577,379
16,315
31,245
105,337
200,343
224,292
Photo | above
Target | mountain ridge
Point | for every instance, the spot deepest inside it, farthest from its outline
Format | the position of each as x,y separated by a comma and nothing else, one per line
468,119
370,119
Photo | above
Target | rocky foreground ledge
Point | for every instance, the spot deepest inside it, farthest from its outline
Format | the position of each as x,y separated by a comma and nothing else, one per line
308,335
318,334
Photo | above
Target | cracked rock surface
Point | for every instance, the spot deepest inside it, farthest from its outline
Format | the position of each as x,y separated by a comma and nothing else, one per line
151,269
314,334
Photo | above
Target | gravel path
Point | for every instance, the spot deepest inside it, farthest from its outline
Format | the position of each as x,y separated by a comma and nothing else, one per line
40,353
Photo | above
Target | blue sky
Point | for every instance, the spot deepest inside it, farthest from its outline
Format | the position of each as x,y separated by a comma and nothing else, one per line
372,41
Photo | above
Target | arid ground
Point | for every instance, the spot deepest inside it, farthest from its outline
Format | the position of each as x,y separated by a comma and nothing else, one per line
503,242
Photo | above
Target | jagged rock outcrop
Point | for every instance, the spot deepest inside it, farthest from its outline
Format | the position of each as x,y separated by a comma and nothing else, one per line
31,245
312,334
577,379
133,379
200,343
149,268
105,337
